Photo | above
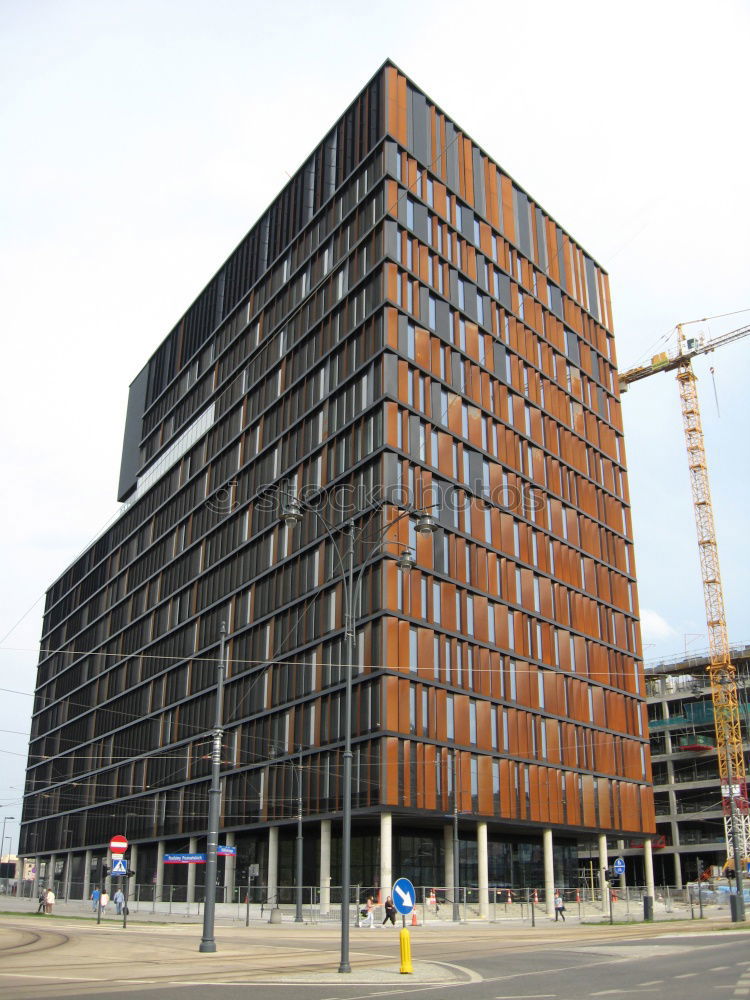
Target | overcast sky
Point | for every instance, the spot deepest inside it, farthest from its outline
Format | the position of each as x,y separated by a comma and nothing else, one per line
141,140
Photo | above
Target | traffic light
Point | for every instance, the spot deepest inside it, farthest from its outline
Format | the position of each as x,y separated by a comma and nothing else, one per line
105,871
607,874
131,873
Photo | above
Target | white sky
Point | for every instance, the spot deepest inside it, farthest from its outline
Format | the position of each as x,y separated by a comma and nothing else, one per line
139,142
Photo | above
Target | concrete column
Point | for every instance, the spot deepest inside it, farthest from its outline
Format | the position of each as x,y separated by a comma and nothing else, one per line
229,870
86,892
677,870
273,865
549,873
386,854
50,881
648,864
133,867
483,868
192,848
325,867
67,875
448,851
159,884
603,864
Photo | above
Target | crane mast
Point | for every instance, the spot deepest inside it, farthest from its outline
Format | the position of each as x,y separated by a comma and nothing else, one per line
721,671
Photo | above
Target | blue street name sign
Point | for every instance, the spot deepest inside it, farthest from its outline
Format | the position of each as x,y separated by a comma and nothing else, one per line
404,896
223,851
619,867
184,859
119,867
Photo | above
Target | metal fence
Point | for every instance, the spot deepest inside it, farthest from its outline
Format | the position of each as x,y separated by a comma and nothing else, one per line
434,904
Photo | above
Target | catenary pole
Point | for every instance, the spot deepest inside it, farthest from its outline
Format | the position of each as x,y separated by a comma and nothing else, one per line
208,943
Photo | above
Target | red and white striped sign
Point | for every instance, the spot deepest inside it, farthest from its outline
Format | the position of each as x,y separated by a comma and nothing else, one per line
118,845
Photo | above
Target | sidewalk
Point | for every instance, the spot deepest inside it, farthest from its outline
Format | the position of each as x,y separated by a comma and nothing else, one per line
236,915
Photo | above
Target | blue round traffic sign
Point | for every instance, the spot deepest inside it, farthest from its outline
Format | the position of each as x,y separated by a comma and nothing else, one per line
619,867
404,896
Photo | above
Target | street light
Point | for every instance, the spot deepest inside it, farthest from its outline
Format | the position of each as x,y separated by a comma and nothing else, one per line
298,874
2,841
208,943
292,513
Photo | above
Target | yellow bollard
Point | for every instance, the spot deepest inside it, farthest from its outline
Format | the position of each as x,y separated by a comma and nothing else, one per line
405,943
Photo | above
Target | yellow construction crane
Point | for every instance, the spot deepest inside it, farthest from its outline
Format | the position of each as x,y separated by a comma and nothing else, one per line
722,678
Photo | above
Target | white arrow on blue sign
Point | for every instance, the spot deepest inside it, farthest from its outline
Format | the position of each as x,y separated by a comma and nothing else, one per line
119,867
619,867
404,896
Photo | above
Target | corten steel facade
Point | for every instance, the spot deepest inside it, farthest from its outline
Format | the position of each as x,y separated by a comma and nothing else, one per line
403,324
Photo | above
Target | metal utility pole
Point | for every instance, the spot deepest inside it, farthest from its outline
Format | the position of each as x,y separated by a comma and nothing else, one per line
298,772
456,858
208,944
346,815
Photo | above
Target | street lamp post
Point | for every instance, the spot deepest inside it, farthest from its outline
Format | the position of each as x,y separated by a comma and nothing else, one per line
298,772
208,943
456,855
292,515
2,841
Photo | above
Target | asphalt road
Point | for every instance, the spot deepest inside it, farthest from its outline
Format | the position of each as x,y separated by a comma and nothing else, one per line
69,959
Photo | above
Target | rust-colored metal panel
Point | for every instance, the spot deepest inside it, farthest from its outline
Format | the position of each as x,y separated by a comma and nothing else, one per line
485,801
509,225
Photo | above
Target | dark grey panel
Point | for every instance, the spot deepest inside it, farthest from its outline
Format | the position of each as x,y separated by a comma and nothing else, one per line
131,445
540,238
451,153
390,247
480,197
555,296
391,158
390,375
420,222
561,259
504,291
524,233
572,348
467,224
591,282
403,333
500,361
487,311
420,130
443,319
475,470
457,363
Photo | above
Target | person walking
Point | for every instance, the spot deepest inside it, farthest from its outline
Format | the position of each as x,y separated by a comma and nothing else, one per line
368,914
118,899
49,901
95,899
103,900
390,911
42,900
559,906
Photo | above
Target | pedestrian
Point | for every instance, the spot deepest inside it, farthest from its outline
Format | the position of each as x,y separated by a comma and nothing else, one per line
49,901
368,914
42,900
95,899
103,900
390,911
559,906
118,899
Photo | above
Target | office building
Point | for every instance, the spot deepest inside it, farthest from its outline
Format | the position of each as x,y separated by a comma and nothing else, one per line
404,327
690,840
